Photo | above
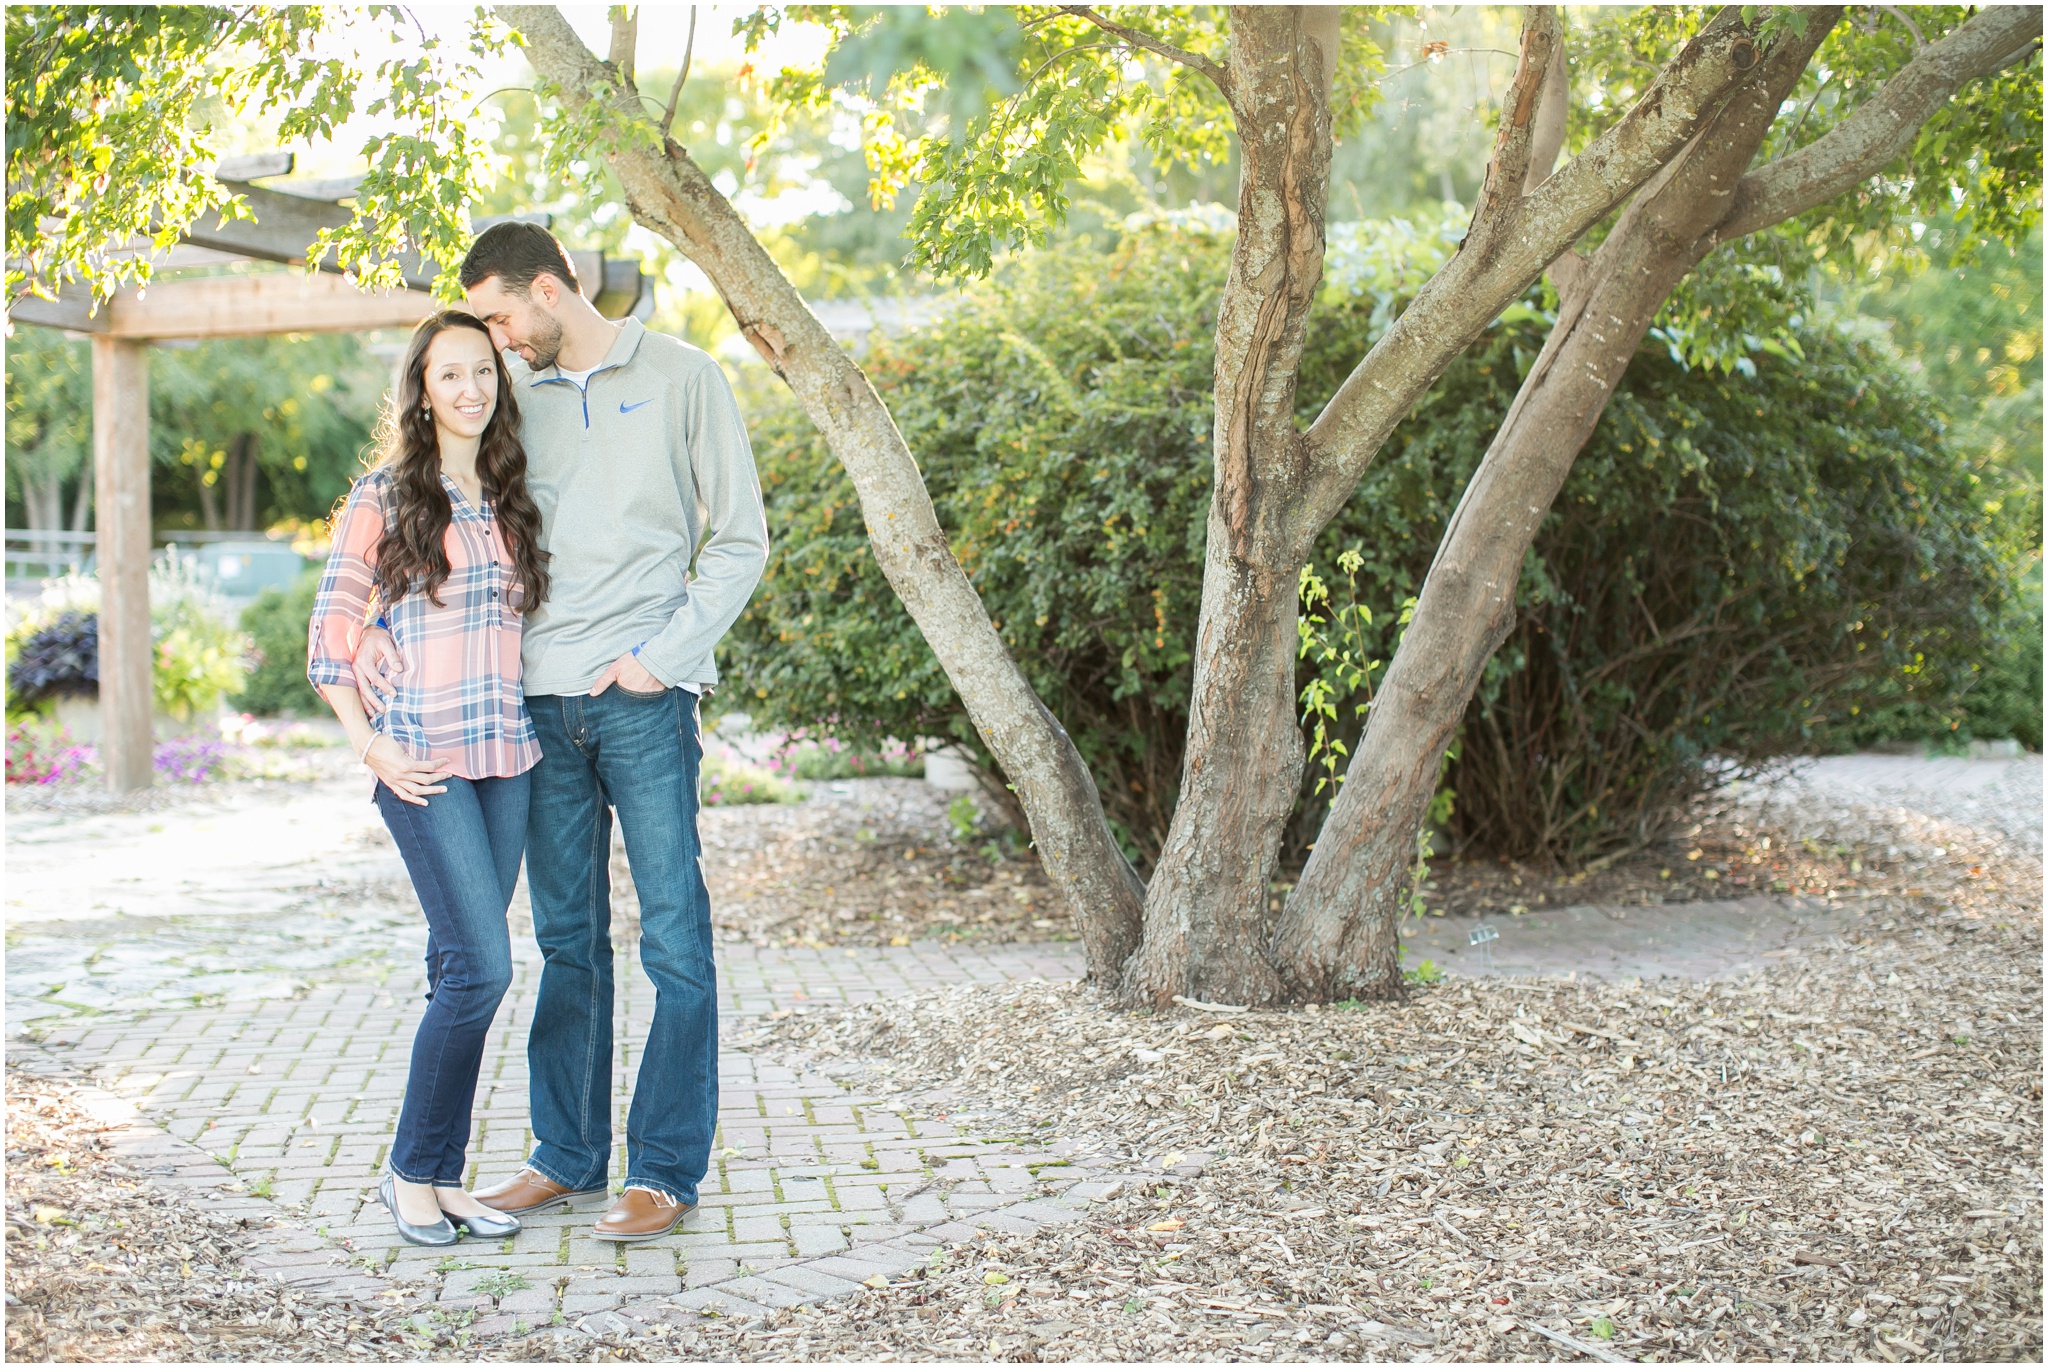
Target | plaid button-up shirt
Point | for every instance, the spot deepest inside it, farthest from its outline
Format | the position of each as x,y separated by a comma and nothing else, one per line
458,697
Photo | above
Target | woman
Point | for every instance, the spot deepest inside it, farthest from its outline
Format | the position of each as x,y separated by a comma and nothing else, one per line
443,538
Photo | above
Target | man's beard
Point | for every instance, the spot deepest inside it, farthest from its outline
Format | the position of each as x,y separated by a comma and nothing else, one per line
546,342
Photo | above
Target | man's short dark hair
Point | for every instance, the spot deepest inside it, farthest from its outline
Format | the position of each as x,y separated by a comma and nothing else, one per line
517,254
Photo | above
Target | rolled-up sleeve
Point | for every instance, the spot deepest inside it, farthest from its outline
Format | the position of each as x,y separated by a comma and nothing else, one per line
346,588
716,462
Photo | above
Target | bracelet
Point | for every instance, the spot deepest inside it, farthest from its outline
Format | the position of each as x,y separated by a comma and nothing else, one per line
363,756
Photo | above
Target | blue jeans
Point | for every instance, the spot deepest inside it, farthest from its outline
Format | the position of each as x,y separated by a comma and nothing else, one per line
462,850
637,753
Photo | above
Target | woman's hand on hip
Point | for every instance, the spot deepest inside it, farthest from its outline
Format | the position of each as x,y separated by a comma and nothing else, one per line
412,780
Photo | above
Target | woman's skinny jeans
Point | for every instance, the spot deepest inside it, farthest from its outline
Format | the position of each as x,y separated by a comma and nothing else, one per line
462,850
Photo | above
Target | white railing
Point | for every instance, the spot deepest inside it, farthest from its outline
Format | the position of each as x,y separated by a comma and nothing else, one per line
35,555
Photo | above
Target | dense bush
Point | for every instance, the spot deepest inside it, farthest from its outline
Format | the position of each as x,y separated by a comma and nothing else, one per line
58,660
276,625
1997,697
1735,565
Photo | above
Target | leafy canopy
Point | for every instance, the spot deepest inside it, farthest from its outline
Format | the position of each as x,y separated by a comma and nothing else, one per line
994,114
110,144
1974,170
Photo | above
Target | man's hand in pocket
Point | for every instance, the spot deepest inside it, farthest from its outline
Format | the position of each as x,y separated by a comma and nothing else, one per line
629,674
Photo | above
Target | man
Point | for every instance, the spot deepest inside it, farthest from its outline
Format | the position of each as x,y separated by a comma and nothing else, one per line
640,463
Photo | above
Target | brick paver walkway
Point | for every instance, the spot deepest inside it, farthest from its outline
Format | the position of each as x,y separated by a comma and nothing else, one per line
813,1188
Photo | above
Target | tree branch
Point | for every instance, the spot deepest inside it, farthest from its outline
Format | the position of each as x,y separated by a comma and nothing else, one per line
1919,38
1885,126
1552,104
1501,193
625,38
1046,65
1492,267
675,96
1212,70
1693,194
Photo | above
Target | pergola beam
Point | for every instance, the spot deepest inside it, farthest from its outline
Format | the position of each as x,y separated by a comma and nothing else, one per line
259,305
284,228
290,302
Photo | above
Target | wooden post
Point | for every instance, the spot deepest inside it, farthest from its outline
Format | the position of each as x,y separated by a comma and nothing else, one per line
120,444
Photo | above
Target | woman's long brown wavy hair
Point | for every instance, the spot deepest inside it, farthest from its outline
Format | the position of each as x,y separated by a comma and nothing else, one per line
413,557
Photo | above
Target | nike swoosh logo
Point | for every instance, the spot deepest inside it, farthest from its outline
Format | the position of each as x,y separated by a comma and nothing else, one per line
625,407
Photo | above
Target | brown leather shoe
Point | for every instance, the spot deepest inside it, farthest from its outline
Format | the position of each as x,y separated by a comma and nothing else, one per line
526,1192
641,1214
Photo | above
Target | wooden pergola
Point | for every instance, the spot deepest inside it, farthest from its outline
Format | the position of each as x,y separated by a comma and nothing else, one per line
287,219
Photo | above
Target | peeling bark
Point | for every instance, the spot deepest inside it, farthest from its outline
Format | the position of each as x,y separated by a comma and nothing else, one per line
1206,913
670,194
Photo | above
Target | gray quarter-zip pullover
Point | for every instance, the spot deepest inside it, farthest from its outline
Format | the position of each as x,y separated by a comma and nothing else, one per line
635,473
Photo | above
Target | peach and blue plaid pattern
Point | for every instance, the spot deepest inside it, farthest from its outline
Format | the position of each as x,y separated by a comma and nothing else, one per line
458,697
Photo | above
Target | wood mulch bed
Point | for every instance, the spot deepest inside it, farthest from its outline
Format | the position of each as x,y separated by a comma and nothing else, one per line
1833,1158
862,862
104,1265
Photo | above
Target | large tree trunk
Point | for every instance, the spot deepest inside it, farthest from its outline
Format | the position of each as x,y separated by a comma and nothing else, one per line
670,194
1338,933
1206,916
1275,490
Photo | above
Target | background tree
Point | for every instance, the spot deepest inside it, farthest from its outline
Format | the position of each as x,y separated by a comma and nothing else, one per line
1965,314
246,433
49,431
259,430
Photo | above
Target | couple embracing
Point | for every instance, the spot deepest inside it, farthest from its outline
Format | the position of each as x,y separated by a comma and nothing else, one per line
515,625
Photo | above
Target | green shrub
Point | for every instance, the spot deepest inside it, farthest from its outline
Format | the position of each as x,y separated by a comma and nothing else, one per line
2005,701
1736,563
1997,697
1737,567
277,622
200,656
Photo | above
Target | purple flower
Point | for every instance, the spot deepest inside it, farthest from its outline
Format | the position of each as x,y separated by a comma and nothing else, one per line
189,759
